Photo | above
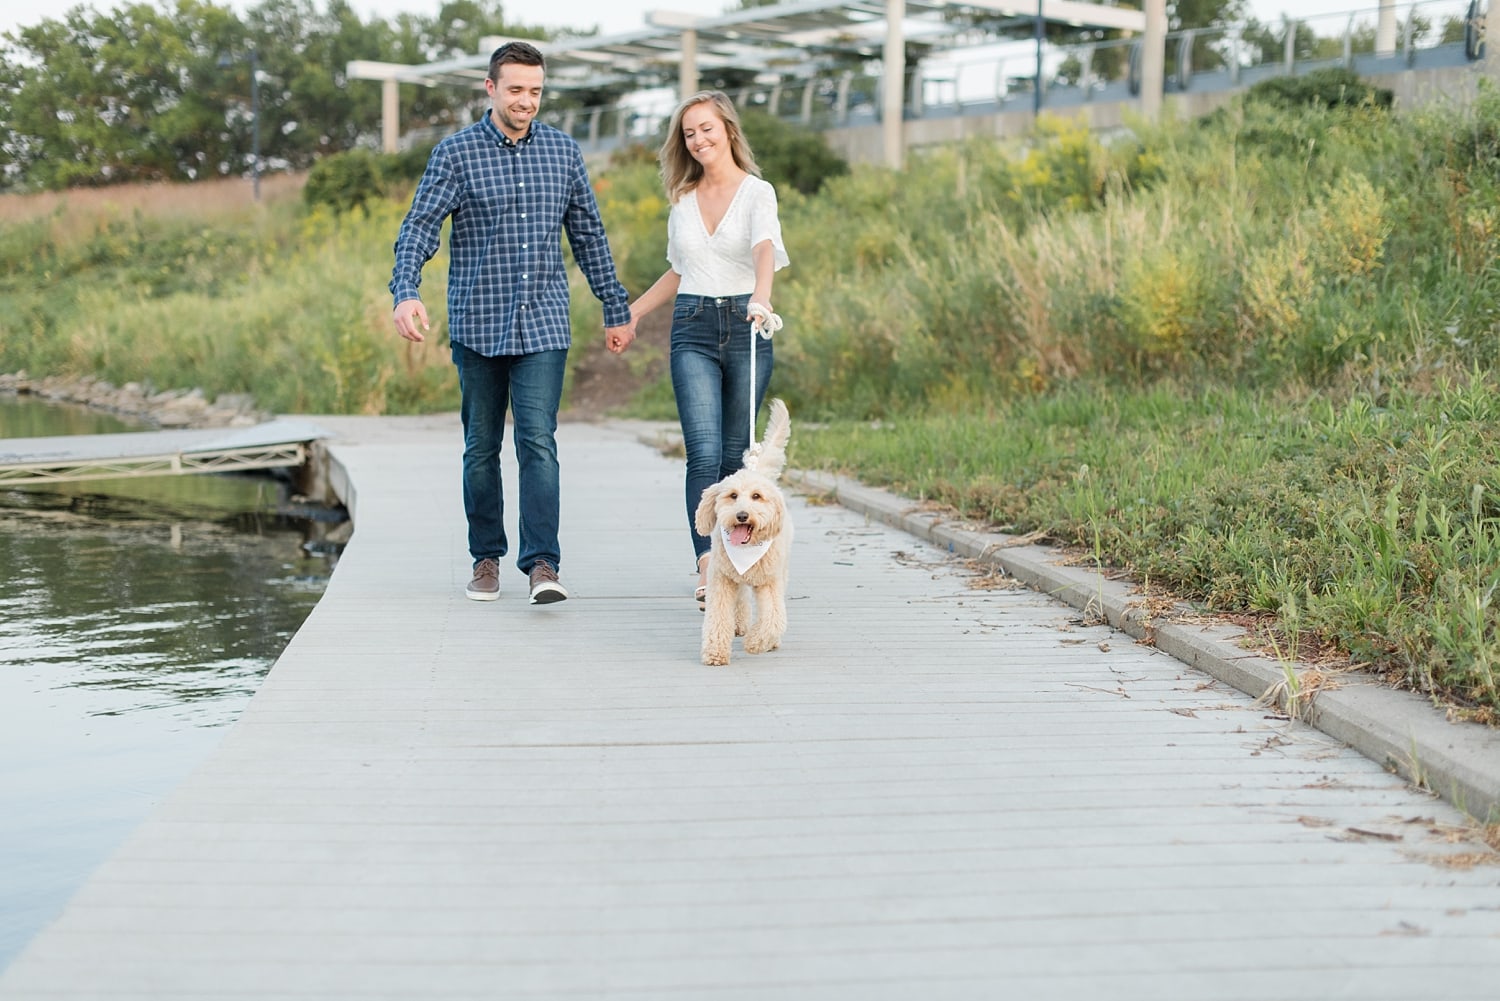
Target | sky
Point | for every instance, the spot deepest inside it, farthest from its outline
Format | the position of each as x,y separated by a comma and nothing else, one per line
610,16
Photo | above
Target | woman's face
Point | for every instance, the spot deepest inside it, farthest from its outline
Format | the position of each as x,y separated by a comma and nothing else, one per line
704,134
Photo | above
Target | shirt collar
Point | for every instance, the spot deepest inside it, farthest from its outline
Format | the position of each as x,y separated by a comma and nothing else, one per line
505,140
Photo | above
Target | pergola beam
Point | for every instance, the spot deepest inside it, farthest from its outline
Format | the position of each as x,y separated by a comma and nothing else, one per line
1080,15
687,39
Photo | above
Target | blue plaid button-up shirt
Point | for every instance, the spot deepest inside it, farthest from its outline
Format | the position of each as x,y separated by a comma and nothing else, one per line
507,287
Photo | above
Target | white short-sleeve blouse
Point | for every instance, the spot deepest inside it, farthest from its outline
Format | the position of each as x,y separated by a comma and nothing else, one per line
721,263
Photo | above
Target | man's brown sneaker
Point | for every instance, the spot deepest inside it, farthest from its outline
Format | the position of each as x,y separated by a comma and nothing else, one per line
545,587
486,583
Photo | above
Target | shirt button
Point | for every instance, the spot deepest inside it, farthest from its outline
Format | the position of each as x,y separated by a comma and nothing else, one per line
523,246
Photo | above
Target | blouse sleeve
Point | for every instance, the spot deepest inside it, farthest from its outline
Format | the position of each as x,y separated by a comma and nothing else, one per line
765,224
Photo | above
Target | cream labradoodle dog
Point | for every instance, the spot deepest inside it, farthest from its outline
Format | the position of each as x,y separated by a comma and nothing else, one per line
745,516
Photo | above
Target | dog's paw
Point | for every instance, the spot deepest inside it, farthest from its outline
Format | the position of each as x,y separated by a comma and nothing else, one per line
758,642
715,658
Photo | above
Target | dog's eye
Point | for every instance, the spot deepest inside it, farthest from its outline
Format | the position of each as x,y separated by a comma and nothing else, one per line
755,496
734,495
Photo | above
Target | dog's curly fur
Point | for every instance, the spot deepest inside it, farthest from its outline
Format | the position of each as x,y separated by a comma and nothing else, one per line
750,498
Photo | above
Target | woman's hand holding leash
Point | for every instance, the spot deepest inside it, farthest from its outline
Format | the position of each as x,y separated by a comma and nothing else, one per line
762,320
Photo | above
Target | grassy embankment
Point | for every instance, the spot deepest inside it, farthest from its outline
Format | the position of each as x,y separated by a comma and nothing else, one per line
1249,359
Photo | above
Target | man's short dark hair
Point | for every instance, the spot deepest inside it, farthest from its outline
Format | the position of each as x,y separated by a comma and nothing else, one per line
523,53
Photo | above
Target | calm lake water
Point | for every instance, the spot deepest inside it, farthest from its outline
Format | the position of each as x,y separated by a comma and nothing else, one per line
137,617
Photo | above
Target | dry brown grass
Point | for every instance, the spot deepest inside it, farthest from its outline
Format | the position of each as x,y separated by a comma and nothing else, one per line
77,209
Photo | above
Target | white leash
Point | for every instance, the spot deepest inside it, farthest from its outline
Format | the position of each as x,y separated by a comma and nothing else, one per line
765,323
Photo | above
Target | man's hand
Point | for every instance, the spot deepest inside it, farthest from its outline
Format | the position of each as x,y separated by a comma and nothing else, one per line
410,317
617,339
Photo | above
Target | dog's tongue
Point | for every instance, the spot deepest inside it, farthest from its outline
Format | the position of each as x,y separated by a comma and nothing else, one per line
739,535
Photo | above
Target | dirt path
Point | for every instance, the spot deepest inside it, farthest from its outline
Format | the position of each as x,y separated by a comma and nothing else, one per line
603,383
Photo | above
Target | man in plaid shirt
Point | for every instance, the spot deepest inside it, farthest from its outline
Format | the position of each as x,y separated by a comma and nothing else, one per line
511,186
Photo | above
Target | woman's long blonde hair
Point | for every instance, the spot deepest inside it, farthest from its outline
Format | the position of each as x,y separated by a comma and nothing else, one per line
680,173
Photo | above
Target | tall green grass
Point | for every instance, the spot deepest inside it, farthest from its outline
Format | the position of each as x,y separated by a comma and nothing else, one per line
1380,518
286,305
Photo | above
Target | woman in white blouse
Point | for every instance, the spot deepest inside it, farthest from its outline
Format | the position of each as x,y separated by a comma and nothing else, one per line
724,247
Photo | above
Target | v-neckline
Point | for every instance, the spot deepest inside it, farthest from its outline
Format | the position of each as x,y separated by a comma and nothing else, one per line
698,204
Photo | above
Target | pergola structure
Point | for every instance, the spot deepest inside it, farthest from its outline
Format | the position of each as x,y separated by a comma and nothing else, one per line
782,36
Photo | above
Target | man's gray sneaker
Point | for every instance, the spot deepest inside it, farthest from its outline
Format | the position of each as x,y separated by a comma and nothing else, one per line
486,583
545,587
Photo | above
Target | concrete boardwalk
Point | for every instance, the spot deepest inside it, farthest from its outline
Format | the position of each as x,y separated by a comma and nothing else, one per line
932,791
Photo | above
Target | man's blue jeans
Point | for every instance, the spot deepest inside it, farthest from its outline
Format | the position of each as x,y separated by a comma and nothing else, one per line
531,385
711,379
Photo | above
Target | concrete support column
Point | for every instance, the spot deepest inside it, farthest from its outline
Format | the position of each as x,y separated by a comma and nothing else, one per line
1385,29
1153,59
390,115
688,73
892,90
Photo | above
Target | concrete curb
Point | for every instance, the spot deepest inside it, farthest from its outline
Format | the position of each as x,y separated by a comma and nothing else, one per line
1459,762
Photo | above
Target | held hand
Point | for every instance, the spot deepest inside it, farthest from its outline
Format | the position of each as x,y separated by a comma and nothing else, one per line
410,317
617,339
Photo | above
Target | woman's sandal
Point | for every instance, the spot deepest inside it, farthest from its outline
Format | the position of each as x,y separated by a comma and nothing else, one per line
701,597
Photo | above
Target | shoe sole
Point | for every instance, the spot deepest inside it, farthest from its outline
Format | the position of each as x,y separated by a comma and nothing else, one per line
547,594
482,595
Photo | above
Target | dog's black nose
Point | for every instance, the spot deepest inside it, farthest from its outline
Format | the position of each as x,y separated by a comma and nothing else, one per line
742,516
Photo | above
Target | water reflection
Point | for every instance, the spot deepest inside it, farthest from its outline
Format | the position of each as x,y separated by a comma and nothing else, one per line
29,417
186,613
137,617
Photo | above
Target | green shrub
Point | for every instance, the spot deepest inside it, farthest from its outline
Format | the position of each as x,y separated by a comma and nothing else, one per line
343,181
791,156
407,165
1332,87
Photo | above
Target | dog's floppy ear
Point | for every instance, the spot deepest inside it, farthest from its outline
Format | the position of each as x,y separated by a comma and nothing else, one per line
705,517
776,501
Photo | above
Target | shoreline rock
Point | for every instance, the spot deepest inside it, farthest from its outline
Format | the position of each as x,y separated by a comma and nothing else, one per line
177,408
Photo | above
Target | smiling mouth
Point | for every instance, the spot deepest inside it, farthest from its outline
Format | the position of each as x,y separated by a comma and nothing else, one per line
739,535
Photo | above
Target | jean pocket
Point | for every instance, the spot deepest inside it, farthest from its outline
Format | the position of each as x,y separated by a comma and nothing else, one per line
687,310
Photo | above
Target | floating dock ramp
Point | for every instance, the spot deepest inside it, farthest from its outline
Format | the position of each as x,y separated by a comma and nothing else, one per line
274,444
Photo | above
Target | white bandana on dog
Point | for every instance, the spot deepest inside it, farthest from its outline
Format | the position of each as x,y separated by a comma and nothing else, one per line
744,555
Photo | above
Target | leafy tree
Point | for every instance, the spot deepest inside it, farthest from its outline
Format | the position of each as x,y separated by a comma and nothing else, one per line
102,98
164,92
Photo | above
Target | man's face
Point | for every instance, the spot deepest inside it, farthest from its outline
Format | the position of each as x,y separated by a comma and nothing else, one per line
516,98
